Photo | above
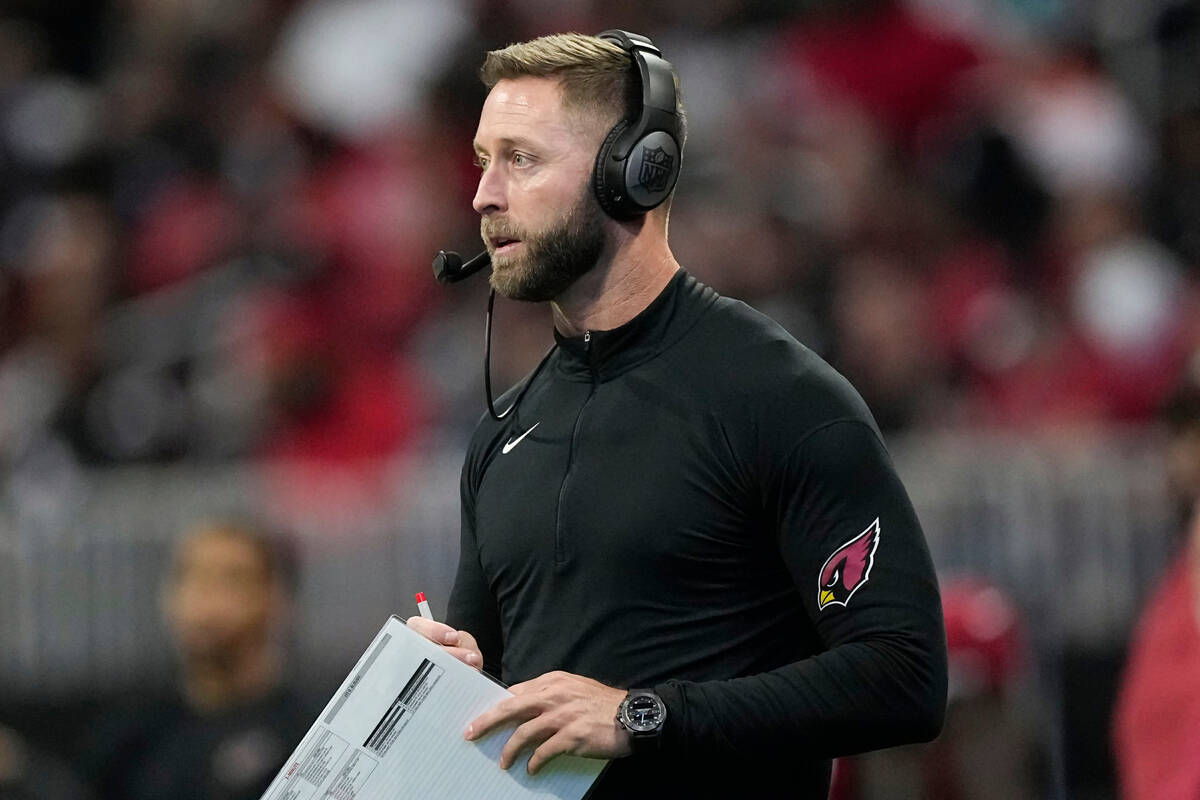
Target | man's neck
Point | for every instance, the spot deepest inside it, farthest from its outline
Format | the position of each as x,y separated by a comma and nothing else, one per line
212,686
617,289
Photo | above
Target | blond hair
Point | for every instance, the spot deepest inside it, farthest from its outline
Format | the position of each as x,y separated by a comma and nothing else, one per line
595,76
594,73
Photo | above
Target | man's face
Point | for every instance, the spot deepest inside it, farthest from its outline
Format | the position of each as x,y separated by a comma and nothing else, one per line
220,597
539,220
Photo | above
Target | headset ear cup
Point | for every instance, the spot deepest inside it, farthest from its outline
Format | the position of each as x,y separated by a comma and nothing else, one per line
608,177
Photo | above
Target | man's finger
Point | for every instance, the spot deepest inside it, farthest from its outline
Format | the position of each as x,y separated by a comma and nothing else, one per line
459,644
513,709
561,742
467,642
529,735
469,657
435,631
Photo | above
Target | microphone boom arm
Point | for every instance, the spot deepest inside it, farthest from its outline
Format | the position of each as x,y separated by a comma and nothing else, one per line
448,266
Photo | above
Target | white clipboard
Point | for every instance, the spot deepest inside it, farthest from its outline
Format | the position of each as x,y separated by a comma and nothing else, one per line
393,730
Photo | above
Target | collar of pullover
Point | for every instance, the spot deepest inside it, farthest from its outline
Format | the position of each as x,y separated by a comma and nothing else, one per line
601,355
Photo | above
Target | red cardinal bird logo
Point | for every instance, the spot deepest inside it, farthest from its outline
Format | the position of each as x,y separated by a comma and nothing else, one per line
848,568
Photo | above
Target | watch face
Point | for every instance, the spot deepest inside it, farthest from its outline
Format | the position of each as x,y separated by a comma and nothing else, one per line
643,713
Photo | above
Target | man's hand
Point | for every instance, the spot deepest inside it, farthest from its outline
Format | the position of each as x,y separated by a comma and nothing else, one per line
459,644
557,713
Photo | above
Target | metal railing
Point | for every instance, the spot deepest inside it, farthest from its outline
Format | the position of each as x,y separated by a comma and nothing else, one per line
1075,533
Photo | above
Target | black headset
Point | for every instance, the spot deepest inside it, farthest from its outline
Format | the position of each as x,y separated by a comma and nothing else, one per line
636,170
638,164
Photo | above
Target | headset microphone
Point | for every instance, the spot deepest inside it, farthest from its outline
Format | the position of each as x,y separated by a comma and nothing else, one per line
635,171
448,266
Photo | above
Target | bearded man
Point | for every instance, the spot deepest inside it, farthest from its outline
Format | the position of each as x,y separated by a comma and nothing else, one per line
686,548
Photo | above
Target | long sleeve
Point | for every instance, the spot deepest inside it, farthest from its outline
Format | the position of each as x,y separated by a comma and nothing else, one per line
881,679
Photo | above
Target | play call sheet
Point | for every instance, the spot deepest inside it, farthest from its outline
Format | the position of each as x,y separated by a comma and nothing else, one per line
394,730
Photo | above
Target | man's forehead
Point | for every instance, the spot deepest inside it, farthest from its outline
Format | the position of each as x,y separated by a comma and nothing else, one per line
217,544
526,92
526,108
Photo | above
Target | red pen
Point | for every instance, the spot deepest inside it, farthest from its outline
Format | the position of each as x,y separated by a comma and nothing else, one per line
423,606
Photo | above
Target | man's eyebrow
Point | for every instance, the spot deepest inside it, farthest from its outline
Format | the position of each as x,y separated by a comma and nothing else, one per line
505,143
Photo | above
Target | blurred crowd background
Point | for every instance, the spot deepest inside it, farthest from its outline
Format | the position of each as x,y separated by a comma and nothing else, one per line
216,225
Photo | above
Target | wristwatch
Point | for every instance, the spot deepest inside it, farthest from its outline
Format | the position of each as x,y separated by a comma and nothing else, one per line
642,713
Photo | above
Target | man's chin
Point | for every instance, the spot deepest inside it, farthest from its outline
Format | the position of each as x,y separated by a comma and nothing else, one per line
508,279
205,652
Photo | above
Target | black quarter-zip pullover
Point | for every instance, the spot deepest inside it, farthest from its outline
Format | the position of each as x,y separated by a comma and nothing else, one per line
656,513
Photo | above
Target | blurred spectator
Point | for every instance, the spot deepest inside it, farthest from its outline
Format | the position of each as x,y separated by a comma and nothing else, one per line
26,773
990,748
1176,201
941,197
59,251
1156,729
228,728
340,62
848,55
1182,416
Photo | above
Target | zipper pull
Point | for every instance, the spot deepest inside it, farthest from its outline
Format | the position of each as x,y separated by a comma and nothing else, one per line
591,356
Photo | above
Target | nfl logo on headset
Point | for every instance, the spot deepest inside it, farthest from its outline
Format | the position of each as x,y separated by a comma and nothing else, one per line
656,169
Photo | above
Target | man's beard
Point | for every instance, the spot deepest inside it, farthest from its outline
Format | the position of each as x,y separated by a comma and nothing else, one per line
551,261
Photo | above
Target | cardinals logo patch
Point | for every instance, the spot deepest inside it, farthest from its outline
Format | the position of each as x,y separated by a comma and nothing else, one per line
848,568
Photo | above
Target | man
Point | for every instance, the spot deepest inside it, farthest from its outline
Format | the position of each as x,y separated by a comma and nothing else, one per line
685,501
1156,719
225,733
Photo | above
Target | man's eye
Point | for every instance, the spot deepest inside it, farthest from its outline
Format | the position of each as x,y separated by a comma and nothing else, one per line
480,162
521,160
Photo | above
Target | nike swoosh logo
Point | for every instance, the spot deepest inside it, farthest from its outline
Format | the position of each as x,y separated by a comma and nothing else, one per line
511,443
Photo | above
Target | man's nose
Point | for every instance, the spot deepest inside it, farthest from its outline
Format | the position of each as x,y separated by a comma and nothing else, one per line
490,195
